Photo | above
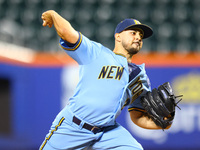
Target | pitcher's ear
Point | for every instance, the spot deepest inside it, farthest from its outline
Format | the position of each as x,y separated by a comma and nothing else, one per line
117,37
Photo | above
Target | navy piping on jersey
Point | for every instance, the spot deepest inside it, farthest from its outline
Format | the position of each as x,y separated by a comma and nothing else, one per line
72,47
136,109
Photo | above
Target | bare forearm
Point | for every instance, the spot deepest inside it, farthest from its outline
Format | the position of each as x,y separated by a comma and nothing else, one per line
62,26
146,122
143,121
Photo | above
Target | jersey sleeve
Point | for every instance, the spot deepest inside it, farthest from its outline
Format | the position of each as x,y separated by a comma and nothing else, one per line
83,51
137,87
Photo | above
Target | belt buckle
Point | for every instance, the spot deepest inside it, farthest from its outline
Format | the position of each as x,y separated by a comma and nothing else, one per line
95,129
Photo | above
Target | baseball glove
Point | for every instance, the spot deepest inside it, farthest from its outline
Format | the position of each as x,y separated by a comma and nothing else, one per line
160,105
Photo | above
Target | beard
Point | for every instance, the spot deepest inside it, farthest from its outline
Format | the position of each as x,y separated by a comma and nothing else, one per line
132,50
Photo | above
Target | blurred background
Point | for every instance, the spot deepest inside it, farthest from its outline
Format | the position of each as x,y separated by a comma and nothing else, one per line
175,22
37,77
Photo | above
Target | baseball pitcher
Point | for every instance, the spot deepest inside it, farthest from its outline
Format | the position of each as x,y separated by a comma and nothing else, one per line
108,81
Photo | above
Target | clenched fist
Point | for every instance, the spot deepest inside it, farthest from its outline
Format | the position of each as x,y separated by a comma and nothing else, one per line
47,18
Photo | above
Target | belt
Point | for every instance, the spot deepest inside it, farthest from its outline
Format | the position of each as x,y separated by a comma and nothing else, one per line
87,126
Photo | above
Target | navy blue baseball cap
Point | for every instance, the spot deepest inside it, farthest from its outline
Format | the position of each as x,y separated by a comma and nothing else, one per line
131,24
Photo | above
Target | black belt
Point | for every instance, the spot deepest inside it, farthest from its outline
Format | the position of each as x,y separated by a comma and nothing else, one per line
87,126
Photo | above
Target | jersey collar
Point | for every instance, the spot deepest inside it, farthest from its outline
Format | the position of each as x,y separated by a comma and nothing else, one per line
120,54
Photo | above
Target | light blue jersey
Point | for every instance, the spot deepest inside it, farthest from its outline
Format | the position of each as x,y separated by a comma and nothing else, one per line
138,85
107,83
102,78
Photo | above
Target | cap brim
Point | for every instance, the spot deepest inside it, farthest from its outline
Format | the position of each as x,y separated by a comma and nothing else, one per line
146,29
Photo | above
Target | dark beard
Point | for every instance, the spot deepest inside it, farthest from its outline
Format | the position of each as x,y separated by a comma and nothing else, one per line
132,52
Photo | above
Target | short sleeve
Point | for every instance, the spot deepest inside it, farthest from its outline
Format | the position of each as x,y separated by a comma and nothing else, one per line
84,51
